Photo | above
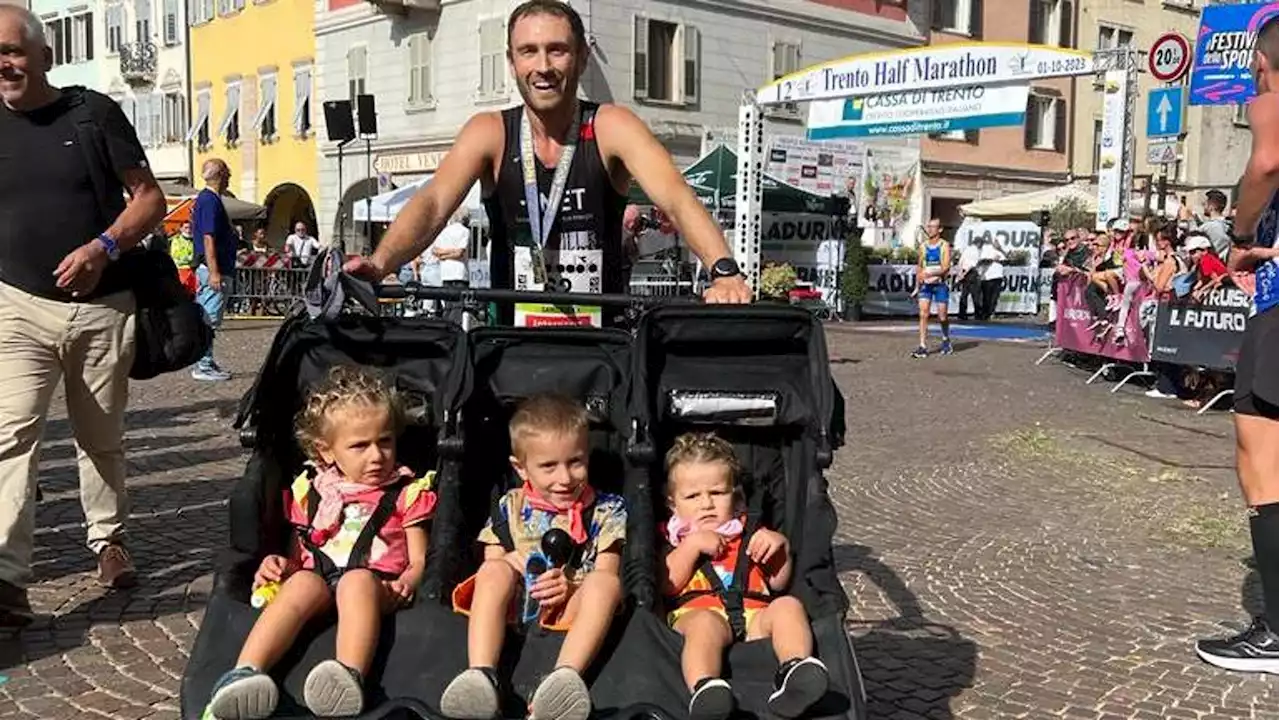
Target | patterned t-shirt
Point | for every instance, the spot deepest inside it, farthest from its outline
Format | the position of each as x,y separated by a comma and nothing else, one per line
390,550
606,527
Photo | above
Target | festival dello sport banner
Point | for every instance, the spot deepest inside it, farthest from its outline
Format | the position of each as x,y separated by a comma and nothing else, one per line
1224,49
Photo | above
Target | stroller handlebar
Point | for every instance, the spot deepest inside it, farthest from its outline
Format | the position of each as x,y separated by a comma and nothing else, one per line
453,294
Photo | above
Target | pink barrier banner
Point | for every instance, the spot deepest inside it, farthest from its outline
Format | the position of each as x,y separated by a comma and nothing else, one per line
1078,329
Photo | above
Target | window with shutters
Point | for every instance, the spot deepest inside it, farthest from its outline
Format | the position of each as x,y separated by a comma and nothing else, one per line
357,70
174,120
265,121
53,37
960,17
202,11
667,61
301,100
128,107
229,128
146,112
82,37
784,59
142,20
1046,123
1111,37
420,94
493,59
199,130
115,28
171,22
1050,23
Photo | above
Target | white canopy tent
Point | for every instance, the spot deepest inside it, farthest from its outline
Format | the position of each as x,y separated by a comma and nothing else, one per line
385,206
1023,204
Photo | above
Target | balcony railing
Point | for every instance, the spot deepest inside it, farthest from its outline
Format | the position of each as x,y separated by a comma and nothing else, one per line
138,63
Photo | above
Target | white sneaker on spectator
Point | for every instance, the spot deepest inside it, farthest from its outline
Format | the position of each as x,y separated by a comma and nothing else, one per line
1156,394
209,374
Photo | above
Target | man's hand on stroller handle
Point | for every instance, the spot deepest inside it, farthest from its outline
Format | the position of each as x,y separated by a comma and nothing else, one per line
273,569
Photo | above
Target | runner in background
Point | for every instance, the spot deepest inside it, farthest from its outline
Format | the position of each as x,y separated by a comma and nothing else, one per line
1257,649
932,268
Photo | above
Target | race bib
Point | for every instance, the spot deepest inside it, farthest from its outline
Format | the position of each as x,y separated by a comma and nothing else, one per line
547,315
526,275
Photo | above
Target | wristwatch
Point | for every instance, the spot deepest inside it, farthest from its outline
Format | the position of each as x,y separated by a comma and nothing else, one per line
110,245
724,268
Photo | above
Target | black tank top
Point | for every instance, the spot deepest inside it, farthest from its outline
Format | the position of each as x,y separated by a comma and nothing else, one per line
584,249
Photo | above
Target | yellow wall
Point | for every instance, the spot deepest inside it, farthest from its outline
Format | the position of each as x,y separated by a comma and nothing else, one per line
277,34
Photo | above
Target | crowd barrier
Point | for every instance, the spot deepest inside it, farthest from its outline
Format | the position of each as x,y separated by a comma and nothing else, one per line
1203,333
266,286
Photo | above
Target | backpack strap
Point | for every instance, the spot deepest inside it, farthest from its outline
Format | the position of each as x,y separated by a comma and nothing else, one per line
97,158
501,526
363,547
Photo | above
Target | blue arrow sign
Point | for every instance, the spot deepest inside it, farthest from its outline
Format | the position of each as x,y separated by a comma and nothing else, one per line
1165,112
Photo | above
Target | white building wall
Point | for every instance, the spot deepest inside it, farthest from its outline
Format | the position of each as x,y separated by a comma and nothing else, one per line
736,48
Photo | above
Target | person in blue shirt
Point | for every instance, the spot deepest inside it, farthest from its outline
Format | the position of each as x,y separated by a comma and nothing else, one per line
932,270
215,258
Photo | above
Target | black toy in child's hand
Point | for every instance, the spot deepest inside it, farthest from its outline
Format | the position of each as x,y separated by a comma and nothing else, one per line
555,551
558,547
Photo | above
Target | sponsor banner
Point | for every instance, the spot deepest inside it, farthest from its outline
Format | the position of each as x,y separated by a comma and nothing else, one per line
546,315
1112,150
918,111
1205,333
826,168
890,289
1076,329
1009,234
1220,72
935,66
1047,278
808,244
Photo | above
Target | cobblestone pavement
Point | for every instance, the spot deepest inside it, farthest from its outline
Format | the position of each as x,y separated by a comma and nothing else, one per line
1014,543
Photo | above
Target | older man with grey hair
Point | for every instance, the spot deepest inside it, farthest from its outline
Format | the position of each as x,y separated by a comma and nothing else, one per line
68,156
215,258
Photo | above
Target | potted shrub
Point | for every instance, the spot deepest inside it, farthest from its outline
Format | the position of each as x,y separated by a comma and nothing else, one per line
856,278
777,280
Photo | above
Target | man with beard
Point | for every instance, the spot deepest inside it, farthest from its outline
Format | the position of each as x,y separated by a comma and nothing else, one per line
67,158
1257,435
554,173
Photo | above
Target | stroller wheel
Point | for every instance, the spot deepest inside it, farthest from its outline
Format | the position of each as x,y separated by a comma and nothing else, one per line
473,695
562,695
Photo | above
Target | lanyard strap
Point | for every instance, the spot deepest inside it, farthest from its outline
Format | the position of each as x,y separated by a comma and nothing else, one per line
541,219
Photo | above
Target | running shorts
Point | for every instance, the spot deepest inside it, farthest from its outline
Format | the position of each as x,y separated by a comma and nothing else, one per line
1257,367
937,292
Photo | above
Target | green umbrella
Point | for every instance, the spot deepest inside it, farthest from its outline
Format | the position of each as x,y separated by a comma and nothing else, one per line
713,179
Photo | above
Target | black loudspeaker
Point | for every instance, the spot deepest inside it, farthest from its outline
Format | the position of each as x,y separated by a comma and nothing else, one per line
367,115
337,118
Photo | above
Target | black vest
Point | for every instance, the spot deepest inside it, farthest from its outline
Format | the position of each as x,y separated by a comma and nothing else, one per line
584,249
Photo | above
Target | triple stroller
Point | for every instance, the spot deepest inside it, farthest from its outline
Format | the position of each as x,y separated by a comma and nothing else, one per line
757,376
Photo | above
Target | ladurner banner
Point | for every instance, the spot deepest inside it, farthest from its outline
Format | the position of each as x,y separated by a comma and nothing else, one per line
925,68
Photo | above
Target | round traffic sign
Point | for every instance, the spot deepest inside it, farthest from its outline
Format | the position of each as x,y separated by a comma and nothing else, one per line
1170,57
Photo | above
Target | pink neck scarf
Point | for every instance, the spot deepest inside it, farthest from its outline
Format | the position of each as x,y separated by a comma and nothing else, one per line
577,523
678,529
335,492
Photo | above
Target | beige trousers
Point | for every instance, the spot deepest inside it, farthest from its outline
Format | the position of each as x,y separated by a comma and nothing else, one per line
90,346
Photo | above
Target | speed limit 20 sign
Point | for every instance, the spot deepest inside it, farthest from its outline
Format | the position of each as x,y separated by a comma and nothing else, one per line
1170,57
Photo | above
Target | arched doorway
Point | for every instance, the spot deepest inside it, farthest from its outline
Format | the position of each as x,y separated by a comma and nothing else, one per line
354,234
286,205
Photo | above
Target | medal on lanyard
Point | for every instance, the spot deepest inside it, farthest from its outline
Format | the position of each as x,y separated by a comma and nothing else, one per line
541,219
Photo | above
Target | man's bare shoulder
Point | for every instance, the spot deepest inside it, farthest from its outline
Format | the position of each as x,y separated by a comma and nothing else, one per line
485,127
1263,112
619,119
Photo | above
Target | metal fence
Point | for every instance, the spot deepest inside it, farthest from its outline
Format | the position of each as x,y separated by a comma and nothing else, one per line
271,291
